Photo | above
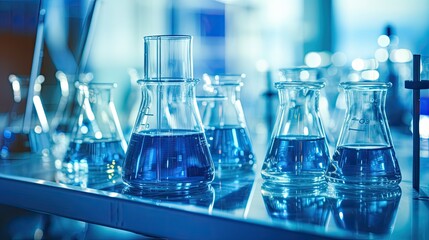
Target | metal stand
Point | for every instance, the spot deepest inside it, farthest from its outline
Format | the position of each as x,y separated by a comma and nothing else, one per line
416,85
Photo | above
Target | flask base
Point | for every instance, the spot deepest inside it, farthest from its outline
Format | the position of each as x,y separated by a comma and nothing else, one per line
359,182
291,179
165,188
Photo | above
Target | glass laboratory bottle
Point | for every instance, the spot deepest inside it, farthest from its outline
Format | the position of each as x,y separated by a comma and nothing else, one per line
168,151
225,125
298,153
97,147
364,155
25,131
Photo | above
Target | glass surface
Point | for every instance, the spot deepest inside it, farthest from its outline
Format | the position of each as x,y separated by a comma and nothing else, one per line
365,156
247,205
298,152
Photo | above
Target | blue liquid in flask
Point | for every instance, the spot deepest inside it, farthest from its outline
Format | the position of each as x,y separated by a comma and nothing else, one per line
296,160
365,165
168,161
230,148
100,160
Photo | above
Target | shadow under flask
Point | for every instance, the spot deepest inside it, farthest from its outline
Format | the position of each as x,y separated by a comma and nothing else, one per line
364,155
298,153
168,151
225,125
97,148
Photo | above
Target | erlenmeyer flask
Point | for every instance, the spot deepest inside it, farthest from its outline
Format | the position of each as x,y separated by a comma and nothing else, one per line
62,123
364,155
298,153
168,150
225,125
97,147
18,136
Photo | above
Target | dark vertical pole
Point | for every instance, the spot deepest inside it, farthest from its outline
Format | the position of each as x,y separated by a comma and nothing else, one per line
416,127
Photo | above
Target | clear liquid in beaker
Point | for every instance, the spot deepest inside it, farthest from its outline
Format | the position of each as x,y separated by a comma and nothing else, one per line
230,147
168,160
291,156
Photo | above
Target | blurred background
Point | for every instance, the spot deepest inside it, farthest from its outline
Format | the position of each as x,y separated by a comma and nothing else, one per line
342,37
346,39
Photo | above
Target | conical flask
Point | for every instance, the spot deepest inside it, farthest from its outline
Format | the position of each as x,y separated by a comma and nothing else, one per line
225,125
19,134
168,150
364,155
97,148
62,122
298,153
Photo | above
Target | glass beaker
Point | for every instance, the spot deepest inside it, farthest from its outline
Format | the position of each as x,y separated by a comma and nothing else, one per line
20,135
364,155
225,125
97,148
168,151
298,152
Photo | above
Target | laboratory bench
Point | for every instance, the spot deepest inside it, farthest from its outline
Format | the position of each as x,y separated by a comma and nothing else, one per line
235,208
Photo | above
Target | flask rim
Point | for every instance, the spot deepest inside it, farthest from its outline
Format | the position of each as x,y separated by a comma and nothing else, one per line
167,80
224,79
99,85
167,37
365,85
300,84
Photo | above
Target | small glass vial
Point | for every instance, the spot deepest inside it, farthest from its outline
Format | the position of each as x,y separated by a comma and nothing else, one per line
225,125
168,151
97,148
364,155
298,153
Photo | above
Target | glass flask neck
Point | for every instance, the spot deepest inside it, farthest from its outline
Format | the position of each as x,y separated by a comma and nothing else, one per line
224,109
98,120
298,110
366,124
168,58
168,107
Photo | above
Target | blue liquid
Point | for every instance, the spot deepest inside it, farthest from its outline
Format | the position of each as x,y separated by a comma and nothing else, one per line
296,160
168,161
93,162
364,165
230,148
